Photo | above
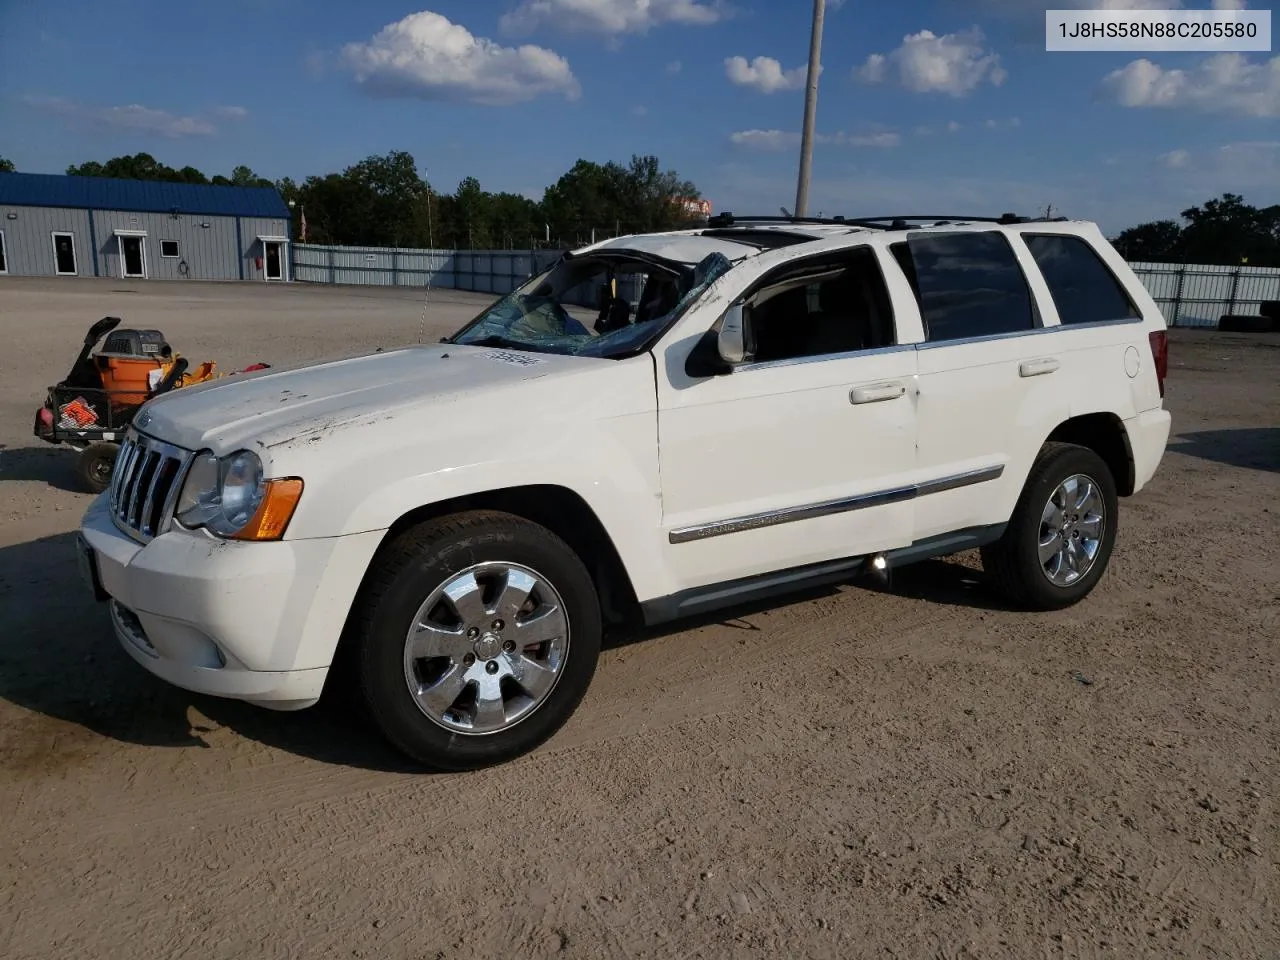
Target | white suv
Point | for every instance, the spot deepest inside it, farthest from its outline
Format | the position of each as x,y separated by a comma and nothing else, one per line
655,426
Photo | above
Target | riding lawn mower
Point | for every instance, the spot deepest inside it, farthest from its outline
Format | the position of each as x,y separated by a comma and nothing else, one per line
91,408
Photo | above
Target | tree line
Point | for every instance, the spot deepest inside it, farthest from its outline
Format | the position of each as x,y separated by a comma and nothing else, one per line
383,201
1225,231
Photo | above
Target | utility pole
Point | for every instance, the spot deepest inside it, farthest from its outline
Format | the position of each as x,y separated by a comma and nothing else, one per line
810,108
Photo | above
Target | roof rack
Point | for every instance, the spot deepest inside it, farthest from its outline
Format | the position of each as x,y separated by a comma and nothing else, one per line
897,222
727,219
901,221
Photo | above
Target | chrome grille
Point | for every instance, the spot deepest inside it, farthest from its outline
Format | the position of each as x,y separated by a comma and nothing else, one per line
145,485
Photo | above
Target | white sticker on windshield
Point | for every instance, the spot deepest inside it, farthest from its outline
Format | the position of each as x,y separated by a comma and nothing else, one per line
519,359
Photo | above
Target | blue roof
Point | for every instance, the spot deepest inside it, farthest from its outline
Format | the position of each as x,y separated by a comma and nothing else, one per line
139,196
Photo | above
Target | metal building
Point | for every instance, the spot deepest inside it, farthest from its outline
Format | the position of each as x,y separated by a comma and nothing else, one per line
53,225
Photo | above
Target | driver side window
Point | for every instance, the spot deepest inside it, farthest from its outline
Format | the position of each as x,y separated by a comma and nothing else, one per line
825,306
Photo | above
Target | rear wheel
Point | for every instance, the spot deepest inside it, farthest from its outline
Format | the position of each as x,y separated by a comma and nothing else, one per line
95,464
478,637
1063,529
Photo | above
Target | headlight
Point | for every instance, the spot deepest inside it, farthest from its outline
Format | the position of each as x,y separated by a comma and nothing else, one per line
230,497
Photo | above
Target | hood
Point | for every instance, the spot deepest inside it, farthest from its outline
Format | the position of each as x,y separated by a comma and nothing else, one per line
272,408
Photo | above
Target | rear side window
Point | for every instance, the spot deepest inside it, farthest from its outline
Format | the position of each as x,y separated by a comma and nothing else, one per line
967,285
1084,289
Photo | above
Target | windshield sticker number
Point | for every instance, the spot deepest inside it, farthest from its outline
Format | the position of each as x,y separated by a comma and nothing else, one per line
518,359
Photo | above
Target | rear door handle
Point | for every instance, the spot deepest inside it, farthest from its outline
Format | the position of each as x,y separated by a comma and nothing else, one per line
1037,368
875,392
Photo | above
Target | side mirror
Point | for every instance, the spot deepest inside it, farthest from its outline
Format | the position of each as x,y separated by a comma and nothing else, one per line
717,351
733,341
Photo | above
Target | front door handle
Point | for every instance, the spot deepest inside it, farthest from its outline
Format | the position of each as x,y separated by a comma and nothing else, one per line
1037,368
875,392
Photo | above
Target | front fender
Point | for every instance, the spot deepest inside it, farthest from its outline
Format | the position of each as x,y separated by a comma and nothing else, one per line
595,436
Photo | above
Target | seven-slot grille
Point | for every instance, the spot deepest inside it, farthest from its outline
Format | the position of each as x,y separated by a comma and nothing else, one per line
145,485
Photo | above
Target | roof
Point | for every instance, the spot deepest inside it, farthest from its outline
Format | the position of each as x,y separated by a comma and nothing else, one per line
139,196
746,236
680,246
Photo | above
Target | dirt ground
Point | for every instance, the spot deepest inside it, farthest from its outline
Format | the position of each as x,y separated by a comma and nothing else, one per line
912,772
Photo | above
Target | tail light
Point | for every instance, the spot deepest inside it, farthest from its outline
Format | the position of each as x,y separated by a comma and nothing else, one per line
1160,353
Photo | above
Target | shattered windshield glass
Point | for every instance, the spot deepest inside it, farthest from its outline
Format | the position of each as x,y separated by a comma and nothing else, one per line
593,306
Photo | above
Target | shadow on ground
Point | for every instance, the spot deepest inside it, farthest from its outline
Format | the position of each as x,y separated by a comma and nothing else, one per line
59,658
1255,448
943,581
55,466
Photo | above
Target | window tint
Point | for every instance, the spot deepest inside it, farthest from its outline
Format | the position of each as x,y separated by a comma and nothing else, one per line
967,284
1083,288
822,307
168,248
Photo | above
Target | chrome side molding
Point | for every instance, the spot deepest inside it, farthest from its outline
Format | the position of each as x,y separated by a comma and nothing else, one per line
826,508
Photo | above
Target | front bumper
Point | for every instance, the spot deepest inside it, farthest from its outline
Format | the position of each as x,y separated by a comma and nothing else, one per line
250,621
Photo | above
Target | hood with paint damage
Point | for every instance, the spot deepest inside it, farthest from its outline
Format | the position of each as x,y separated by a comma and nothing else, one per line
311,404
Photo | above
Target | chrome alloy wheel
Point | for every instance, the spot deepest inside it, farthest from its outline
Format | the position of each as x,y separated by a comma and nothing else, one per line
1071,528
486,648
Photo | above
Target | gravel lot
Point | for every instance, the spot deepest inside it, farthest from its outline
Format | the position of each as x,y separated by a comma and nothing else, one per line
912,772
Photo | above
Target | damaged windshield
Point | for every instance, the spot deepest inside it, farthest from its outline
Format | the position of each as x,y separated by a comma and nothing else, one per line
606,305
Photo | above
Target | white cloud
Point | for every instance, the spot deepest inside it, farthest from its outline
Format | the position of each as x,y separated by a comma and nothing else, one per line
770,140
774,141
953,127
231,113
955,63
1243,164
882,140
1023,8
426,55
763,74
609,17
639,110
133,117
675,66
1222,83
1011,123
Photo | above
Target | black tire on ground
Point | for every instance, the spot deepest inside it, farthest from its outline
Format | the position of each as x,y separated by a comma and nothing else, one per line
95,464
406,572
1248,323
1012,564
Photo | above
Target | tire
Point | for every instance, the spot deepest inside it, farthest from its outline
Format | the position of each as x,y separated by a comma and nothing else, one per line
95,464
478,650
1013,564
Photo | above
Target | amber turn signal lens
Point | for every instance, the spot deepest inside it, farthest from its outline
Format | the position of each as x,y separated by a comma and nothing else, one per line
275,511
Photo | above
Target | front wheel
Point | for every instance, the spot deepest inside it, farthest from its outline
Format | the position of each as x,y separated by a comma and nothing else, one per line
1060,537
95,464
478,637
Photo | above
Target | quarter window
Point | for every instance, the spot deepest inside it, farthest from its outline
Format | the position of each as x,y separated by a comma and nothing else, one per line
1083,288
168,248
967,284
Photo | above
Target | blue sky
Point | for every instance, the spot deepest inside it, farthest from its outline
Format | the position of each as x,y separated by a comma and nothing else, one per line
933,106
